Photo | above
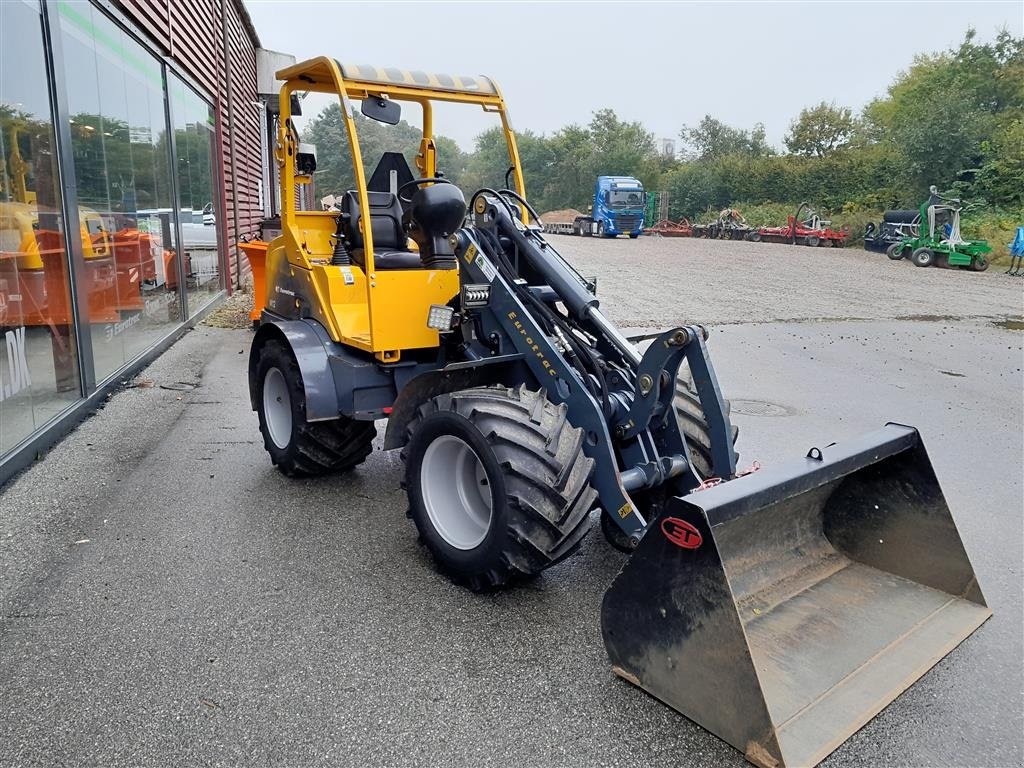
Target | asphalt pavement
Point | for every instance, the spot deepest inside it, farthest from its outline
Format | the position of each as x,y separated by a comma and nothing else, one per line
169,599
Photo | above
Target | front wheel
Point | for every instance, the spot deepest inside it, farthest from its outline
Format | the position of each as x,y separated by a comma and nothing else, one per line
923,257
297,447
499,486
600,229
895,251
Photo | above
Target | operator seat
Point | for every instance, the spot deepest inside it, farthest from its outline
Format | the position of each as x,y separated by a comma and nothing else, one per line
390,245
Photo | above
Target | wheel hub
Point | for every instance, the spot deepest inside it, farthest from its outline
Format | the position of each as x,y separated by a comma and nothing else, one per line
277,407
456,492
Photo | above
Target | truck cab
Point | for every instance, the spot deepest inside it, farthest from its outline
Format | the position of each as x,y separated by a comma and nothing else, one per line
618,208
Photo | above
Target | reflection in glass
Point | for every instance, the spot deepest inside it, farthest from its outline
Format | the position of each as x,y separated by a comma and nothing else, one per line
194,143
122,168
39,375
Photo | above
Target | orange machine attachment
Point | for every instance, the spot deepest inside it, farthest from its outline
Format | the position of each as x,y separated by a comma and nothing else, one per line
256,252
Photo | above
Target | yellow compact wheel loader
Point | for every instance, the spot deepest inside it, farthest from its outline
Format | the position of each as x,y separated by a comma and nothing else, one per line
780,609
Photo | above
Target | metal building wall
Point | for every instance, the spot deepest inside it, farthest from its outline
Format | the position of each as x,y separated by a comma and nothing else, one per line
215,43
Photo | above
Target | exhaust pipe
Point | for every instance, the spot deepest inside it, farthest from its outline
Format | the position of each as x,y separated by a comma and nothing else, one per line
783,610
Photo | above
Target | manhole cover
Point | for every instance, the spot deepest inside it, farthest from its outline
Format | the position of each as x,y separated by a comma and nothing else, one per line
759,408
181,386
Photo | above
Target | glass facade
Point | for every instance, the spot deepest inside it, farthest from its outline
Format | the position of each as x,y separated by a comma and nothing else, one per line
138,144
122,170
39,374
195,148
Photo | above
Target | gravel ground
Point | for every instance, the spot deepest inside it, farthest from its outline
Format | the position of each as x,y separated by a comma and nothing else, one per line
167,598
656,281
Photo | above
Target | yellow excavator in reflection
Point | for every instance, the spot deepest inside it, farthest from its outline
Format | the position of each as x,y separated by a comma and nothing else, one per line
24,246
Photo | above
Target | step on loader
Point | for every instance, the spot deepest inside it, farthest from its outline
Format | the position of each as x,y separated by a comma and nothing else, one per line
779,609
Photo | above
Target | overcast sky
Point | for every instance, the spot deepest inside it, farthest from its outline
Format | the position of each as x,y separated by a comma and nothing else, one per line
664,64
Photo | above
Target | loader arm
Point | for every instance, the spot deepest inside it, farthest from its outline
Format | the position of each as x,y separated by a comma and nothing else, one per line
626,419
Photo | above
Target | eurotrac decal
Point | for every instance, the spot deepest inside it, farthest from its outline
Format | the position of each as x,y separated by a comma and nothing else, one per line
534,347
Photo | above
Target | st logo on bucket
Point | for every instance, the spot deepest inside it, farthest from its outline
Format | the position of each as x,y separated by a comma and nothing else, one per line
681,533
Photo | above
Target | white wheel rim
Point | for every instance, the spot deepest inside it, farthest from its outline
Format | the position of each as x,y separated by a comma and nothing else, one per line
456,492
277,408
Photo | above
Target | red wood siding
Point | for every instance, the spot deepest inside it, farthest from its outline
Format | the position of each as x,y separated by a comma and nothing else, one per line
194,34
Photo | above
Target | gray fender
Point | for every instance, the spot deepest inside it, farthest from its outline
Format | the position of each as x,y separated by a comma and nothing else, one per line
505,369
309,343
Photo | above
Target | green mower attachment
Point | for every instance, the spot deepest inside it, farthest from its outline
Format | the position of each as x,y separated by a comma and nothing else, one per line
936,246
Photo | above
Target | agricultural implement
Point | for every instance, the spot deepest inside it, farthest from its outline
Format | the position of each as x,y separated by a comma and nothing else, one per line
668,228
895,226
803,228
941,244
780,609
730,225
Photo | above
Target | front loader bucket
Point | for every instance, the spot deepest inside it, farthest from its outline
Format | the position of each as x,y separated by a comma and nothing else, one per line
783,610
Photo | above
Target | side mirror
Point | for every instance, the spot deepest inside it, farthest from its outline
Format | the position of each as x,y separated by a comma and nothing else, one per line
382,110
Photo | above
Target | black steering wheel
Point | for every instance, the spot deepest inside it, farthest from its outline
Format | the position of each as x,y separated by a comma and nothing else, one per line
415,183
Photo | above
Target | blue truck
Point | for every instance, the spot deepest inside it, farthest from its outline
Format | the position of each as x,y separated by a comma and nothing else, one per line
618,209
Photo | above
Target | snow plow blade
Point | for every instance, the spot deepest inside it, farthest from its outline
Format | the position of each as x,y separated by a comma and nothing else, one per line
783,610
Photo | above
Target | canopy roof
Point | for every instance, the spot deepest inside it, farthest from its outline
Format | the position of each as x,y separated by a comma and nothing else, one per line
360,77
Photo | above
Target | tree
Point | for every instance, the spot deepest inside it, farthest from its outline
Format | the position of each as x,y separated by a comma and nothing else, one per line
711,139
820,130
451,160
335,172
942,113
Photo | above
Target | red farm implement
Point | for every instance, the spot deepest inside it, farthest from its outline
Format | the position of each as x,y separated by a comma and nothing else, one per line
805,228
668,228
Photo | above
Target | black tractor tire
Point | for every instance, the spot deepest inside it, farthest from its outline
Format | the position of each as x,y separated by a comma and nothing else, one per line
299,448
812,241
694,425
895,252
979,264
923,257
900,217
531,460
754,237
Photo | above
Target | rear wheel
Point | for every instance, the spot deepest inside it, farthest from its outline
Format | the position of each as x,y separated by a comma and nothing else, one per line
755,237
895,251
923,257
979,264
297,447
812,241
499,487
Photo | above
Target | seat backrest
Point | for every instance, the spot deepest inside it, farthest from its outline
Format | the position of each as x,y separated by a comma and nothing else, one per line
391,173
385,220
